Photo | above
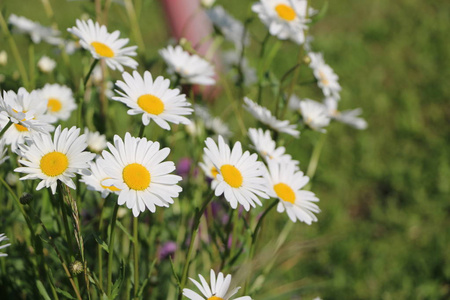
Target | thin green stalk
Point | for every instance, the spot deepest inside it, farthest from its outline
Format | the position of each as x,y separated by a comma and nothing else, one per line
99,247
31,65
111,248
141,130
15,51
134,24
82,92
136,256
9,124
260,66
313,162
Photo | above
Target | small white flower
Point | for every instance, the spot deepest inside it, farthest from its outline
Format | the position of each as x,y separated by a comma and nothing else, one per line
104,45
95,180
239,174
327,80
3,58
57,159
285,19
191,68
266,147
264,115
3,238
285,183
218,290
210,170
135,166
153,99
36,31
314,114
349,117
96,141
59,99
46,64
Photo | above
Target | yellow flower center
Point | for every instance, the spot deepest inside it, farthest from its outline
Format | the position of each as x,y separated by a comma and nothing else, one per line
284,192
54,163
214,298
136,176
323,78
111,188
151,104
20,128
102,49
54,105
214,172
231,175
285,12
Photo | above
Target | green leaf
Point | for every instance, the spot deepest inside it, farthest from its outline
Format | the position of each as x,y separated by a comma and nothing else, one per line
173,272
42,290
116,287
65,294
120,225
147,280
101,242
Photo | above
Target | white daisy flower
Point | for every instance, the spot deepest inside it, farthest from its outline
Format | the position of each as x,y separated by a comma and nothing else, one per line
153,99
94,181
36,31
191,68
136,167
59,99
3,151
266,147
96,141
285,19
285,183
218,290
3,238
46,64
210,170
232,29
264,115
327,80
57,159
240,174
349,117
27,112
104,45
314,114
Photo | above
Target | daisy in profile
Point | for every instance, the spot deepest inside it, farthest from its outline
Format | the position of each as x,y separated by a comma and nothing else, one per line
266,147
153,99
314,114
218,290
104,45
36,31
285,19
191,68
96,141
59,99
57,159
264,115
3,238
135,167
239,174
94,181
27,112
285,183
210,170
349,117
327,80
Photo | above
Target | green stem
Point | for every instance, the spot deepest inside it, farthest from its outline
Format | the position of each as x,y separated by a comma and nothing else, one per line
31,65
311,171
260,67
100,249
6,128
141,130
82,92
136,256
111,247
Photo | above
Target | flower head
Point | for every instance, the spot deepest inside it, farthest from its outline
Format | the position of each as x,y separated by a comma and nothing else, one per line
349,117
59,100
46,64
95,180
191,68
153,99
327,80
57,159
105,45
36,31
96,141
135,166
3,237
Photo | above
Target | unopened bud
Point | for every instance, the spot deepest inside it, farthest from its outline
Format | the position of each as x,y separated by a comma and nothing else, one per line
26,198
76,267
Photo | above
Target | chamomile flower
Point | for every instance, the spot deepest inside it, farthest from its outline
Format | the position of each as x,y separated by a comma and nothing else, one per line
210,170
27,113
153,99
94,181
135,167
285,183
46,64
264,115
349,117
57,159
191,68
218,290
327,80
36,31
266,147
104,45
314,114
3,238
96,141
59,99
285,19
239,174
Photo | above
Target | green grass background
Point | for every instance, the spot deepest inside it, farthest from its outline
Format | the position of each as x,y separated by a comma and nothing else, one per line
384,228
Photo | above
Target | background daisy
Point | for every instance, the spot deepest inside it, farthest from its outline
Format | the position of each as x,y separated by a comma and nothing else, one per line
59,99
